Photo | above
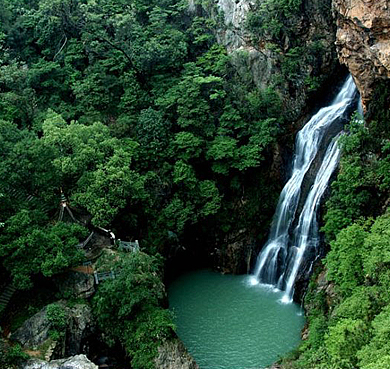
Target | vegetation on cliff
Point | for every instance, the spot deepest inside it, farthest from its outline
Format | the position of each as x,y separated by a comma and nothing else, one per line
134,113
281,27
349,320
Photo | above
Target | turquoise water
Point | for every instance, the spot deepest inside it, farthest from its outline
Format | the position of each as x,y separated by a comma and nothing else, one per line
226,323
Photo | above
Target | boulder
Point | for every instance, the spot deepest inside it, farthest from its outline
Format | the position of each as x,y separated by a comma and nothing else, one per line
34,333
34,330
74,362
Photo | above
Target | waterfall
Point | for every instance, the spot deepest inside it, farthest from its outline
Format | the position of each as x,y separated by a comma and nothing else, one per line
280,260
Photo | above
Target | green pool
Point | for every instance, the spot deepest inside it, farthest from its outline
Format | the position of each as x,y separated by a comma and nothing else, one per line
227,323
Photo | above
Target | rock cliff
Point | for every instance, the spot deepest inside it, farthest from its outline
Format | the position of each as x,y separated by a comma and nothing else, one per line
311,35
363,41
299,63
34,334
233,35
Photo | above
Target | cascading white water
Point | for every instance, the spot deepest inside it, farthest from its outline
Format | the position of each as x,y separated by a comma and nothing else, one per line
306,232
279,261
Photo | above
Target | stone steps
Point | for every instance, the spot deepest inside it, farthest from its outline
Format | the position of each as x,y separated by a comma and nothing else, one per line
6,296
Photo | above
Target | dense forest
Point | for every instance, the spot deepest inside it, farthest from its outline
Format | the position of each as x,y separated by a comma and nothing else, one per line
133,111
135,115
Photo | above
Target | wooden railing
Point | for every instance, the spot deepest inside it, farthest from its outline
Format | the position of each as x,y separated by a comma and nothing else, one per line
128,246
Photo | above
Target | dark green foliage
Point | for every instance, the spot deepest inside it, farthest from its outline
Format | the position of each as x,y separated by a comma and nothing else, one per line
128,307
363,304
177,123
29,246
135,112
345,260
11,356
376,354
278,24
341,336
153,131
348,327
57,317
353,193
377,244
343,341
271,16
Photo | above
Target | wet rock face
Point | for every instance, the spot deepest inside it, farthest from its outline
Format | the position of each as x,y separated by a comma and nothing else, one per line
236,253
75,362
363,41
173,355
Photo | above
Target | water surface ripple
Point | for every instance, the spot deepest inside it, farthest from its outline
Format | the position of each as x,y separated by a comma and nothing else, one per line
227,323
